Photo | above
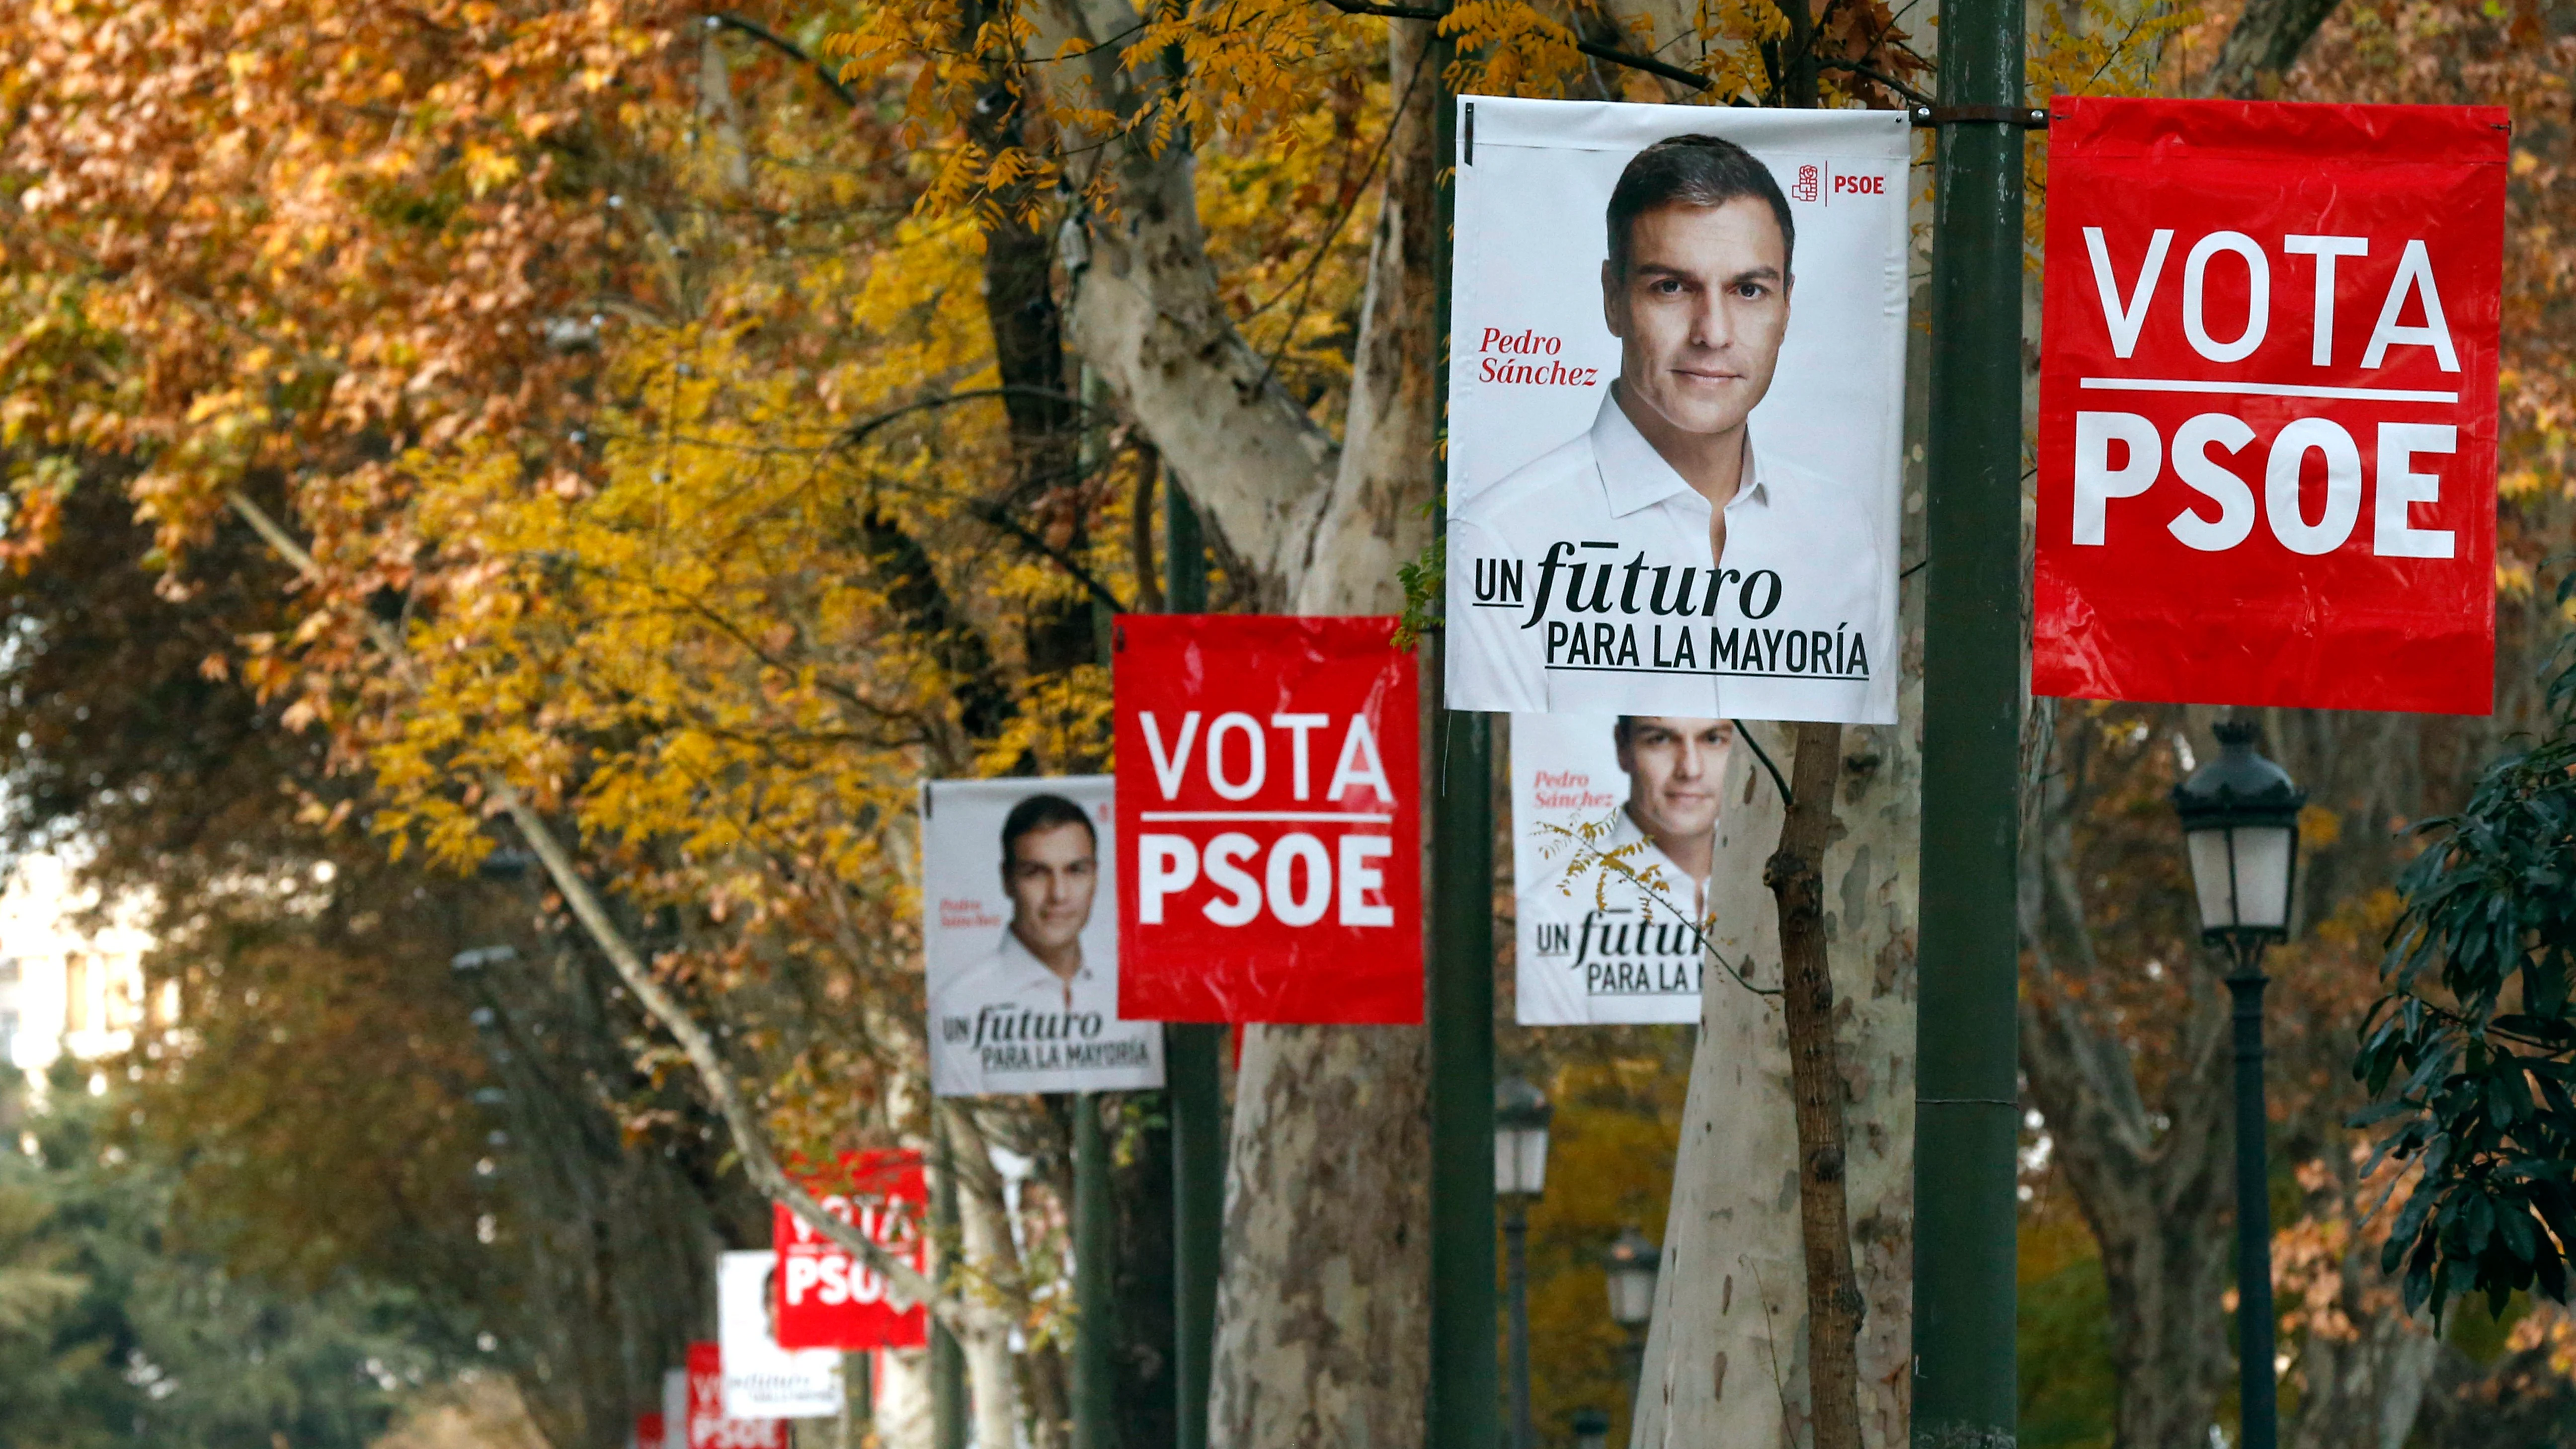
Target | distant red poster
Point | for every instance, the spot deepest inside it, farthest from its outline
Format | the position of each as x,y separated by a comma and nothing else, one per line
828,1299
708,1426
2267,404
1269,820
648,1431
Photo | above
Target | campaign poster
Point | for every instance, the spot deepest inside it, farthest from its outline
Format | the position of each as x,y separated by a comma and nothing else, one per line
1272,799
1614,830
1675,407
760,1379
2267,404
649,1431
704,1424
1020,938
828,1298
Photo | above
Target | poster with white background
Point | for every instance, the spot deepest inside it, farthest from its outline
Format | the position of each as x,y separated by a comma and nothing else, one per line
1676,404
1020,940
762,1380
1614,828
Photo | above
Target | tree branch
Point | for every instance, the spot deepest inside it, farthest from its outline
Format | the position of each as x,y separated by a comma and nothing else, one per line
1796,877
766,36
1628,58
749,1140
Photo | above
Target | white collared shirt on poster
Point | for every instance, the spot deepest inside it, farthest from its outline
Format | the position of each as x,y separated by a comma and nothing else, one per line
1614,499
1123,1055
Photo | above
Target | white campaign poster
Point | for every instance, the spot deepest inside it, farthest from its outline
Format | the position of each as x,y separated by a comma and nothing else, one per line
762,1380
1614,823
1020,939
1675,401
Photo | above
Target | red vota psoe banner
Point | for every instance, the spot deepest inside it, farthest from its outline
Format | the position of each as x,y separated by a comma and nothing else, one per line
827,1299
2267,404
1269,799
708,1428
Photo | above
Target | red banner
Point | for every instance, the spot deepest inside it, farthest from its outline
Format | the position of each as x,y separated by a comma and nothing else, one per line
1269,796
828,1299
708,1426
2267,404
648,1432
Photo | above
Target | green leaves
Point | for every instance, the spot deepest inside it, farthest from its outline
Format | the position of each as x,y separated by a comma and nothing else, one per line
2477,1036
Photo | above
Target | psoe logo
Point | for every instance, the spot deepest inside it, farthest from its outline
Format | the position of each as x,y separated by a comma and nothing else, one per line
1860,186
1804,189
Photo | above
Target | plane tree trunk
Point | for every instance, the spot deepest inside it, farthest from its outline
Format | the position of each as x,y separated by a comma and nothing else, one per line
1323,1301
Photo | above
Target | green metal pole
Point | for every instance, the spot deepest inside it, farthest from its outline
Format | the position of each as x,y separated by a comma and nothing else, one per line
1964,1381
1095,1377
1191,1082
1465,1408
947,1356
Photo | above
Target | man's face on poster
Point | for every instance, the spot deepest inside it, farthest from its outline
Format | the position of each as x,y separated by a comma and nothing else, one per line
1674,768
1052,873
1701,311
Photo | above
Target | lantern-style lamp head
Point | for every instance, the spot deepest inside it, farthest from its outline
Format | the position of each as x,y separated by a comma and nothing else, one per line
1521,1115
1591,1429
2240,821
1633,1264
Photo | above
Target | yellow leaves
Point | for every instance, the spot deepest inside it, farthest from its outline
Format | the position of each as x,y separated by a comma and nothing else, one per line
1519,51
2096,48
487,168
2319,826
694,653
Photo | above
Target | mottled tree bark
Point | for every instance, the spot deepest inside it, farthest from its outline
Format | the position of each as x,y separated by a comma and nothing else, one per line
1323,1308
992,1257
899,1410
1322,1311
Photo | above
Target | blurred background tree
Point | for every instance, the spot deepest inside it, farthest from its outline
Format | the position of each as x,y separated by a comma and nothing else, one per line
115,1333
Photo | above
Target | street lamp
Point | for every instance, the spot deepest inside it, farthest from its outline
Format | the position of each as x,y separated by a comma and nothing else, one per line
1632,1265
1591,1429
2240,823
1521,1114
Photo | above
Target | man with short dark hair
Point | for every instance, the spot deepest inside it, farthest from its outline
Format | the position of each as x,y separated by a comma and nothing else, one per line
1693,525
1051,871
1673,766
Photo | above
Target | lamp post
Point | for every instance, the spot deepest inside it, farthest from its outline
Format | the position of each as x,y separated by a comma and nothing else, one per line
2240,823
1632,1265
1591,1429
1521,1114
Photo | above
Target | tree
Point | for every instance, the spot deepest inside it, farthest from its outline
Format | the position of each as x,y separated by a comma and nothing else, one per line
116,1335
334,1110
